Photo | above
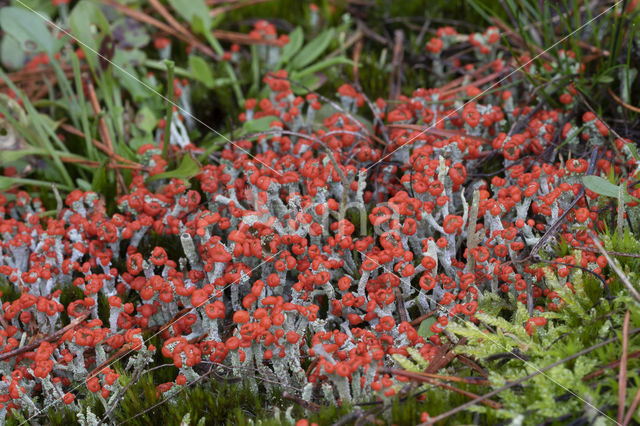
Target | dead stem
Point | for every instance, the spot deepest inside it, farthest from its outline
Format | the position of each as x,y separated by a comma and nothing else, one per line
104,133
622,377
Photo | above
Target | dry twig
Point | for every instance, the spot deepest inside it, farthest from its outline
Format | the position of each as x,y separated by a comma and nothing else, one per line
596,241
54,336
622,377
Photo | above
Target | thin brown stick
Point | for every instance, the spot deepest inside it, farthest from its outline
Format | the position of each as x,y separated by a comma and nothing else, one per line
123,350
170,19
444,356
472,364
509,32
613,364
458,81
143,17
621,102
421,377
102,123
353,39
224,9
479,82
70,129
50,338
632,409
396,65
614,253
305,404
436,360
240,38
596,241
416,322
593,49
357,52
402,310
106,137
622,377
37,74
95,164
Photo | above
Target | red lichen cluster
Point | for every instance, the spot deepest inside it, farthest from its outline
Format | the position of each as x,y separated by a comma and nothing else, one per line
307,259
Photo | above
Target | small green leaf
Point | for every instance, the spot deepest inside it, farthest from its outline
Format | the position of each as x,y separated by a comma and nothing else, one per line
129,33
262,124
146,120
600,186
312,50
633,150
201,71
12,156
305,83
84,16
8,182
319,66
84,185
425,327
192,11
49,122
100,183
605,188
296,38
27,28
187,169
127,74
5,183
605,79
11,55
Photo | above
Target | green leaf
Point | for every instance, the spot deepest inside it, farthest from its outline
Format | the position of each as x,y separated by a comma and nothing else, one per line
8,182
28,28
100,183
600,186
328,110
312,50
318,66
130,34
187,169
305,84
146,120
605,188
49,122
201,71
45,6
605,79
296,38
84,185
262,124
84,16
425,327
192,11
15,155
11,55
127,61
